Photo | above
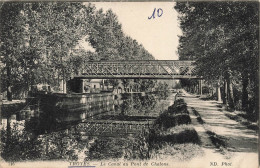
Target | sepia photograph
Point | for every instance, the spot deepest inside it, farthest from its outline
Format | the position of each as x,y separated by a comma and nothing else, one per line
142,84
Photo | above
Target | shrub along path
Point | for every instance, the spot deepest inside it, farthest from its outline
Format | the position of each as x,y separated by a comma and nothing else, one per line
236,142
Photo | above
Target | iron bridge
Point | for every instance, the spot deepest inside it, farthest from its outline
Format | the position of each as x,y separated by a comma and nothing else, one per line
145,69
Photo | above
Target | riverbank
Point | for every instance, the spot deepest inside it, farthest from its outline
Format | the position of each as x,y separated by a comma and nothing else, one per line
173,136
118,130
188,132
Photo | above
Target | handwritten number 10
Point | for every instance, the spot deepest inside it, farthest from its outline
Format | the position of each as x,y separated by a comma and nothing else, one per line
159,13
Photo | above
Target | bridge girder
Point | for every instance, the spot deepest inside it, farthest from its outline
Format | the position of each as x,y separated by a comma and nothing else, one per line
145,69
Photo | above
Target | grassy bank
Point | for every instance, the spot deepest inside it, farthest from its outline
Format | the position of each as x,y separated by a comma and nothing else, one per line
172,137
177,114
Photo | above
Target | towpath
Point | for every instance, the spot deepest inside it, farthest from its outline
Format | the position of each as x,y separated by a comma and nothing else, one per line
235,145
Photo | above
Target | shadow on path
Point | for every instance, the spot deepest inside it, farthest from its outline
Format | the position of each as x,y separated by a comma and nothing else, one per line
239,137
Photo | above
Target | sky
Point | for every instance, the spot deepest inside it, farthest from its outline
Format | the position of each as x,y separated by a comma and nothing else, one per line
158,35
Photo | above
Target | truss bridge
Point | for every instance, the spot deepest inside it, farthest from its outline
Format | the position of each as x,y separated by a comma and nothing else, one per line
145,69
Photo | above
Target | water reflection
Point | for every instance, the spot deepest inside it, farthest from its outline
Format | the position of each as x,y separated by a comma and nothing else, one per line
115,131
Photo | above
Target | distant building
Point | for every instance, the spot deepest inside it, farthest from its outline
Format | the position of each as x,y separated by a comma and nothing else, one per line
93,85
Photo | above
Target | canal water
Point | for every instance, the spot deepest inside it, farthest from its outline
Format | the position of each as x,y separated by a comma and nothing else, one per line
116,131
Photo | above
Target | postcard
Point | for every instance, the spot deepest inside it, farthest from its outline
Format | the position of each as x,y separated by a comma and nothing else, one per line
129,84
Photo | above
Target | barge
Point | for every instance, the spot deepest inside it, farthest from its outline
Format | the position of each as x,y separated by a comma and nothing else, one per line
70,106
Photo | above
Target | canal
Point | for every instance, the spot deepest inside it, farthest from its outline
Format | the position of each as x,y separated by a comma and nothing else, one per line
115,131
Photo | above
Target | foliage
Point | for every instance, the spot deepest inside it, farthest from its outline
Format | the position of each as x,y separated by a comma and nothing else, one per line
40,42
222,37
16,145
177,114
21,145
162,89
138,103
178,134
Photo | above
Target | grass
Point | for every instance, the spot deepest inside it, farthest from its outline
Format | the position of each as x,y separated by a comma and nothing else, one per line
217,140
179,143
196,113
177,152
172,137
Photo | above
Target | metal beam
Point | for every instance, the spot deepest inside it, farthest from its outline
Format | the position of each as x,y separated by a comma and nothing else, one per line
132,69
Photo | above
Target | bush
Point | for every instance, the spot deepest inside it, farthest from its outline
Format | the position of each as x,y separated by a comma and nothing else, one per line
166,120
177,114
185,136
179,101
178,109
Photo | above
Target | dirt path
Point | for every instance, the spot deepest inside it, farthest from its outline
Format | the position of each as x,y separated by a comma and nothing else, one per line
241,143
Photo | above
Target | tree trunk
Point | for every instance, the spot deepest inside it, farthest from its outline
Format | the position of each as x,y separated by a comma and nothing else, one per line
244,92
197,88
225,93
8,83
230,95
63,82
200,87
218,92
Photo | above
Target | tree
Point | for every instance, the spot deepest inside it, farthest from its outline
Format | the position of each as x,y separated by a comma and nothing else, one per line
11,45
222,37
37,39
38,42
